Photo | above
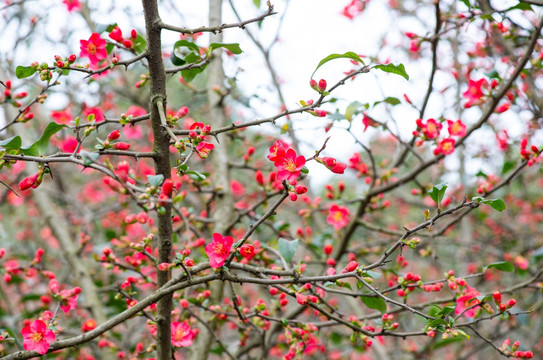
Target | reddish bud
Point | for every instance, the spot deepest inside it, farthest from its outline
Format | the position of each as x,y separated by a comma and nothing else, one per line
28,182
121,146
497,297
167,187
511,303
72,58
350,267
322,85
134,34
328,248
114,135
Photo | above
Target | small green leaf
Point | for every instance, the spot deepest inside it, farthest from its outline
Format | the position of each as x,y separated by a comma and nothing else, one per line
520,6
233,48
140,44
481,174
196,175
507,166
348,55
496,204
373,274
375,303
502,266
389,100
13,143
466,2
88,157
391,68
257,3
463,333
447,341
190,74
352,109
155,180
437,193
446,310
188,44
25,71
287,249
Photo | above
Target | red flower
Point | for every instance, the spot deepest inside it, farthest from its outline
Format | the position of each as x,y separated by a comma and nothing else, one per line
98,114
247,251
218,250
182,334
353,9
456,128
203,149
72,5
467,299
116,34
89,325
338,216
37,337
289,166
445,147
431,129
94,48
474,93
62,117
277,151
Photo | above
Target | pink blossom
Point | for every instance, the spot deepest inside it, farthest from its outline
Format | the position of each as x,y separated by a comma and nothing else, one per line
218,250
338,216
203,149
37,337
94,49
72,5
289,166
182,334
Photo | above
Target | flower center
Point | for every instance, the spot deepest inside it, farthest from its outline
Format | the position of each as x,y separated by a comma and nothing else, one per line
218,248
290,165
338,216
36,337
91,49
179,334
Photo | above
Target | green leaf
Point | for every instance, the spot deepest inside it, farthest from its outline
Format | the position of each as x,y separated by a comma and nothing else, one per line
447,341
375,303
190,74
391,68
352,109
482,174
373,274
389,100
520,6
13,143
502,266
194,50
140,44
507,166
287,249
39,147
348,55
466,2
233,48
25,71
188,44
463,333
257,3
155,180
196,175
446,310
496,204
437,193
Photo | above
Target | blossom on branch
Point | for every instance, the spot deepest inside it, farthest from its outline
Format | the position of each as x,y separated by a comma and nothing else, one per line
218,250
37,337
182,334
94,48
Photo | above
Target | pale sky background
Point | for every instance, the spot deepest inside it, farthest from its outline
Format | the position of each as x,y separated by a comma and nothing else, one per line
312,29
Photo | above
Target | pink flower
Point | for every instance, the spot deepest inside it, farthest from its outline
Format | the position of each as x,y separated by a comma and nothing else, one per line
289,166
218,250
456,128
338,216
353,9
94,48
474,93
97,112
62,117
37,337
445,147
203,149
69,299
182,334
72,5
277,151
116,34
431,129
467,299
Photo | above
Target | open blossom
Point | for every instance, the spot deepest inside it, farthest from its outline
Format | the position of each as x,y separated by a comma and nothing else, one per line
218,250
37,337
289,166
354,8
474,93
182,334
456,128
94,48
431,129
445,147
203,149
466,299
338,216
277,151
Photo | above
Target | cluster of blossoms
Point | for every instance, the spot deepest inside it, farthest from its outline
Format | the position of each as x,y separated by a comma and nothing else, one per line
431,130
531,155
511,350
197,133
288,163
